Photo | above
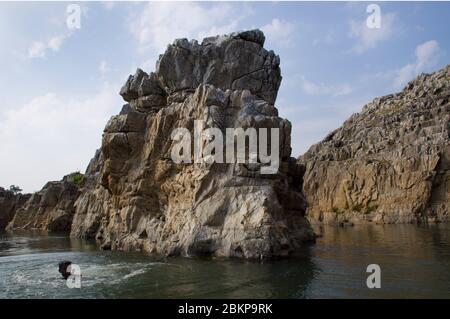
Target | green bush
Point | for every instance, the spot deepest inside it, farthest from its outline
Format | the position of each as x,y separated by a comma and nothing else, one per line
77,178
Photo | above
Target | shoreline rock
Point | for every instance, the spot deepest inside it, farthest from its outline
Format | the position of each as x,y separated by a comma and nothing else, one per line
50,209
388,164
9,204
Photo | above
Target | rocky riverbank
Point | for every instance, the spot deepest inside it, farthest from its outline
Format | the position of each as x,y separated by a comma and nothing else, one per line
9,204
387,164
50,209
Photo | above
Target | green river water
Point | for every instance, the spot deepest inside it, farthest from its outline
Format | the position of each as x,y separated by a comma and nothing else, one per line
414,261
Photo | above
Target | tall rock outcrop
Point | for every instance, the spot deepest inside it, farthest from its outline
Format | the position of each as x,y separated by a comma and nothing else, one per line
136,197
50,209
388,164
9,204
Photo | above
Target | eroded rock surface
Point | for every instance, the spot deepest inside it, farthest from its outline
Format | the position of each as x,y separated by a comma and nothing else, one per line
237,61
50,209
388,164
135,197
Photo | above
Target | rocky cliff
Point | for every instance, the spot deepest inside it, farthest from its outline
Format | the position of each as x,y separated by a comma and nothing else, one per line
388,164
50,209
136,197
9,203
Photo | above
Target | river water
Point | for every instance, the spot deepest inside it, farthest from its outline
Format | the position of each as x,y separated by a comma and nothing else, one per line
414,261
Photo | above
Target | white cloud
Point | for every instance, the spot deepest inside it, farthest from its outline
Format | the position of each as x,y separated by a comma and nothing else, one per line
404,75
103,68
52,135
427,56
159,23
321,89
279,31
38,49
56,42
370,38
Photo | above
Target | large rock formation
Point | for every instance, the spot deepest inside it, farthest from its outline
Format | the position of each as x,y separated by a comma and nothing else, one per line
9,204
388,164
135,197
50,209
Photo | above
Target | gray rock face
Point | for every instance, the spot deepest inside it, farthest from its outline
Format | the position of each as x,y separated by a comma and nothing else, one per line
237,61
388,164
135,197
50,209
9,203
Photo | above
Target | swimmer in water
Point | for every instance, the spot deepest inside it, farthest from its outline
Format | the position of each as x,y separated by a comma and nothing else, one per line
63,265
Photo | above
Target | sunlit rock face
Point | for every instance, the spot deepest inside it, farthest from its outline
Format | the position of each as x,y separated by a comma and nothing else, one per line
136,197
50,209
388,164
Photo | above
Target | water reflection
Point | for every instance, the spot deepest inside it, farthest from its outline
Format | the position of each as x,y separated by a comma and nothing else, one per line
414,260
231,279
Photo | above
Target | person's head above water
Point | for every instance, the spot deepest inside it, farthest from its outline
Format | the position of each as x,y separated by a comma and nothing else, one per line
62,268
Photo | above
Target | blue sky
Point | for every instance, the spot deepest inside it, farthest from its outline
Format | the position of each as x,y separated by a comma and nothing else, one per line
60,86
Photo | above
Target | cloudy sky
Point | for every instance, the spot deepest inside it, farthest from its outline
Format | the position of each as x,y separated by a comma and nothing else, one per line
59,86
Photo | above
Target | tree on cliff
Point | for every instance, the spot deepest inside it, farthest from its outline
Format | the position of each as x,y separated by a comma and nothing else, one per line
15,189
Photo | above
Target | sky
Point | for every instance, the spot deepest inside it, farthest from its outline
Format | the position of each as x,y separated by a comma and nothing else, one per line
59,85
